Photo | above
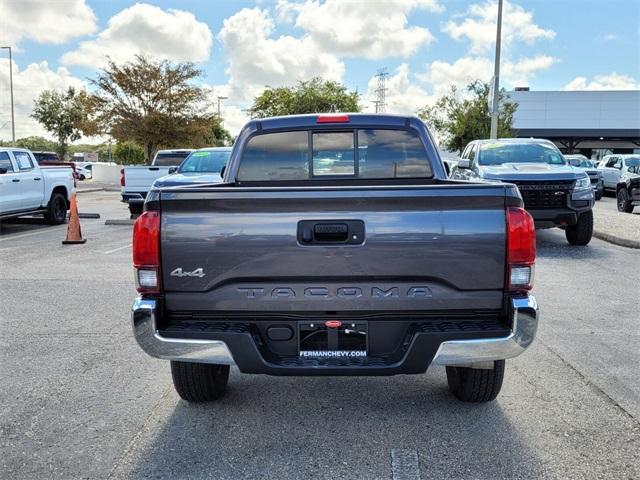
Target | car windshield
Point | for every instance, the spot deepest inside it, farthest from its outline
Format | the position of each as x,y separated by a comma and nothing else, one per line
171,159
580,162
497,153
209,161
633,165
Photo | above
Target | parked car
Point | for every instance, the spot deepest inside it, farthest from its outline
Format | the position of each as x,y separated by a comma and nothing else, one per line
28,189
591,168
555,193
136,181
201,166
628,188
314,257
612,167
51,159
84,171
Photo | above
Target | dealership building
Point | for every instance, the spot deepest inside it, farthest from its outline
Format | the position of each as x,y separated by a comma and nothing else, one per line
593,123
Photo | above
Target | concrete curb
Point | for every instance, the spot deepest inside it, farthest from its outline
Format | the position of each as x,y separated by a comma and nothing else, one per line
622,242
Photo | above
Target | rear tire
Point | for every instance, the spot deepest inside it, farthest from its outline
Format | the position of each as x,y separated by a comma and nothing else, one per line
581,232
599,194
136,208
624,202
476,385
199,382
56,210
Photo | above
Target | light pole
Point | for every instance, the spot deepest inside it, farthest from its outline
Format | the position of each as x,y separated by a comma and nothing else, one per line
219,101
13,122
496,77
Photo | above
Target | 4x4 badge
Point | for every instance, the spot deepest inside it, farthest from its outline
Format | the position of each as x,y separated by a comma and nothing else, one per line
198,272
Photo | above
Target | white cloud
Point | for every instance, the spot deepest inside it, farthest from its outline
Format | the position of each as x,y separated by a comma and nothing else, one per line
517,74
612,81
479,27
460,73
255,59
44,22
467,69
168,34
403,95
27,85
366,29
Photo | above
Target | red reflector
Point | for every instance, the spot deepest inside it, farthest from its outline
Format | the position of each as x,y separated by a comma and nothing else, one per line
332,119
521,237
333,324
122,180
146,240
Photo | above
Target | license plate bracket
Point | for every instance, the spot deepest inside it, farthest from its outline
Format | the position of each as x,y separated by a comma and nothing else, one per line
333,338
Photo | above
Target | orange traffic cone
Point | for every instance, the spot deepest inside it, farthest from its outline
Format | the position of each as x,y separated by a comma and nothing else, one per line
74,235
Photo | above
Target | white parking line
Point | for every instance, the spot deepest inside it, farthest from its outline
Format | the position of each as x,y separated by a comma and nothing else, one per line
38,232
404,465
128,245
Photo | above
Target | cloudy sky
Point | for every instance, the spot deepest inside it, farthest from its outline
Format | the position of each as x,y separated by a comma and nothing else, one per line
242,46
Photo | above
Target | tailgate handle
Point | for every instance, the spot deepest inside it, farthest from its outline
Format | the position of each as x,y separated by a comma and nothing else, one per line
323,232
331,232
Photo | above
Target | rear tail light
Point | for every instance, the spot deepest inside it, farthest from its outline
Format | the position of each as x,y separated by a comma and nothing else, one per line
521,249
332,119
122,180
146,252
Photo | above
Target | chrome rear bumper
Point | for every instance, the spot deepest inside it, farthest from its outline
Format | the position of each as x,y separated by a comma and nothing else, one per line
525,324
452,352
143,318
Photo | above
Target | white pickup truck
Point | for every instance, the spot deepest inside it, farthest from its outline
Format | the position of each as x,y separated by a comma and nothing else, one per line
28,189
136,181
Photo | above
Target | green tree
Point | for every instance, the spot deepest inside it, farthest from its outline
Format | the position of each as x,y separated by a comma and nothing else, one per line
313,96
34,143
152,103
62,115
128,153
460,119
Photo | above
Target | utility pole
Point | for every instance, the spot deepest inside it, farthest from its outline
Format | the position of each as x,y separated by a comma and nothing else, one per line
381,91
496,77
13,120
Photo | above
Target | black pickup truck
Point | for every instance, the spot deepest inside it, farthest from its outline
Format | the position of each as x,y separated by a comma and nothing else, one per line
335,245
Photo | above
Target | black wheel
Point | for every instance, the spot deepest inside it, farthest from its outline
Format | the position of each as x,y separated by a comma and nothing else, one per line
474,384
81,177
136,208
599,195
199,382
624,202
56,210
581,232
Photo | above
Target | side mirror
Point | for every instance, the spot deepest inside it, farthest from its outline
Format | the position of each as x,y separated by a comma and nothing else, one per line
224,168
3,170
464,163
172,170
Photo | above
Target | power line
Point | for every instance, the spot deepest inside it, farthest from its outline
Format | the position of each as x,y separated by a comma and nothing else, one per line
381,91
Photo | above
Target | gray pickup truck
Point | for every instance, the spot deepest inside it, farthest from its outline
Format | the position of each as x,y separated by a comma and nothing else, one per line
335,245
555,193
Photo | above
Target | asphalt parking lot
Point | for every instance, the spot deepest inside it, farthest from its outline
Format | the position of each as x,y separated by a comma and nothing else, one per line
81,400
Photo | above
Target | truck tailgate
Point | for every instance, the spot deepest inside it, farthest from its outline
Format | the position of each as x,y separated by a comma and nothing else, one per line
139,179
424,248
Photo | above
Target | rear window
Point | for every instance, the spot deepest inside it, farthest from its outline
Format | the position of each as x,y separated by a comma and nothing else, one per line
5,162
172,159
363,153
